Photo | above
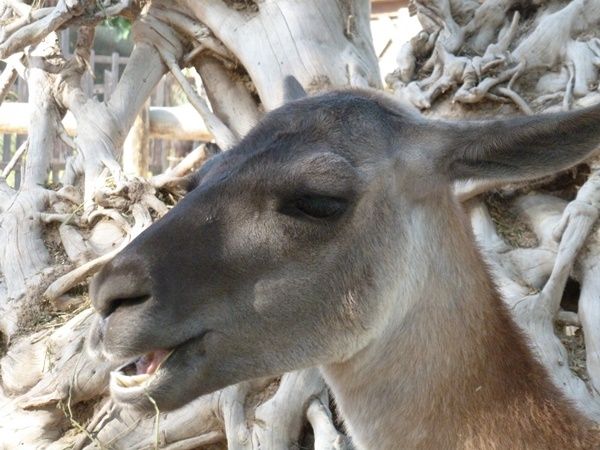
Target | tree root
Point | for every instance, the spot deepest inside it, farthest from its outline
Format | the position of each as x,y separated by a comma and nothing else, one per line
537,310
548,42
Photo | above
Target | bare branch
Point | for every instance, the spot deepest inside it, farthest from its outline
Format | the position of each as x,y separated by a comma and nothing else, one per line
7,79
76,276
192,160
37,31
15,159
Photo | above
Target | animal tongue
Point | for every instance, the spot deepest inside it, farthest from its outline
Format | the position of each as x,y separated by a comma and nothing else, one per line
148,363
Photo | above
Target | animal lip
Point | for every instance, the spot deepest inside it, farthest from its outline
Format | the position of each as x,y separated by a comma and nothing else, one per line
147,363
135,377
138,372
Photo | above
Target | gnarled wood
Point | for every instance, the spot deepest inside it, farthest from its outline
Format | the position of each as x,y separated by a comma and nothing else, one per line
248,51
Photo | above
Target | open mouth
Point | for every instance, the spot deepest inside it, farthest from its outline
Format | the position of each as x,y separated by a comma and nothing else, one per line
139,372
144,375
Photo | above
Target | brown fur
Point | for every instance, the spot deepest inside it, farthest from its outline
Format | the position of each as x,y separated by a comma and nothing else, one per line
389,297
472,381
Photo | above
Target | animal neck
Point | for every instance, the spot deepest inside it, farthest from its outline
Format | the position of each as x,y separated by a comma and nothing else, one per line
453,370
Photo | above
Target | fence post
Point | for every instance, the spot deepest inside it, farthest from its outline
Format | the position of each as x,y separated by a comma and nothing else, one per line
22,96
6,150
114,69
107,85
65,37
157,149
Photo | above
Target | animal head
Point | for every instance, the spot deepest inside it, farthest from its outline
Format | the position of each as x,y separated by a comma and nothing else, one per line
289,249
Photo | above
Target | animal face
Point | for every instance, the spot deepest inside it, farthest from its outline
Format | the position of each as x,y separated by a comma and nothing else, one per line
288,249
265,265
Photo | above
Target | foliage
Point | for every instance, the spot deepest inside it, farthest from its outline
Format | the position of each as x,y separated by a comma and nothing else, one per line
120,26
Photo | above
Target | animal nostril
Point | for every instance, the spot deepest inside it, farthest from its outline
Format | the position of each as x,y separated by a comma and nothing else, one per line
122,283
114,304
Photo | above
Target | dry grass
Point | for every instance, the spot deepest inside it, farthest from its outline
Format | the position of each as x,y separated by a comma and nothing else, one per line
243,5
510,228
575,346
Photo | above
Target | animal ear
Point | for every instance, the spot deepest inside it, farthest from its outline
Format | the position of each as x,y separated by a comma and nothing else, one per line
292,89
517,148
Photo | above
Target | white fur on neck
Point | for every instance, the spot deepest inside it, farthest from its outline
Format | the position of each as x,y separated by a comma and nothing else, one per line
424,380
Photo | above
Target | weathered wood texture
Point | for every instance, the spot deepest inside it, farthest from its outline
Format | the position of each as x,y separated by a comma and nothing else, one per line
469,52
166,122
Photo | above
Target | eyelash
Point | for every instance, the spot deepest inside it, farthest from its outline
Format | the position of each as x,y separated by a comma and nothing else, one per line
316,207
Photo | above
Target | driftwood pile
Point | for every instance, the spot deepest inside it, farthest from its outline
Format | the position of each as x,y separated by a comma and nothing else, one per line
471,59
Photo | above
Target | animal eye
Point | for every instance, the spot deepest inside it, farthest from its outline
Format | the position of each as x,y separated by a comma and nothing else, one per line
318,207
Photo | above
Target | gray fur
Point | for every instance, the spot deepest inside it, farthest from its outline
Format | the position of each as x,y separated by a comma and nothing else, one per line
390,297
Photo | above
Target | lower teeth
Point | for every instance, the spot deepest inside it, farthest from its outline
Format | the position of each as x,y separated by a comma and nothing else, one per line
130,380
127,376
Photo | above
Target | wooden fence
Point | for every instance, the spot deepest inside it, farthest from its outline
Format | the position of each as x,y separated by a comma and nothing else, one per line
107,69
